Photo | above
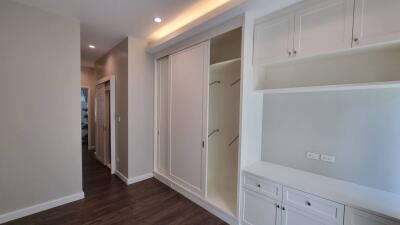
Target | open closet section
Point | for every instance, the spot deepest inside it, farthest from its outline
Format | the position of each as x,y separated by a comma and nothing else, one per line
223,120
197,121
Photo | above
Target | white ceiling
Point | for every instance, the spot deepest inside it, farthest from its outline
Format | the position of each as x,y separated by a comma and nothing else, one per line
104,23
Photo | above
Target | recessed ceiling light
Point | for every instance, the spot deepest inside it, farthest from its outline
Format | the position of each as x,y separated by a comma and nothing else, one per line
157,20
92,46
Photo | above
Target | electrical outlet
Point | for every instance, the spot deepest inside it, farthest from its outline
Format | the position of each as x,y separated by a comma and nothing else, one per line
328,158
312,155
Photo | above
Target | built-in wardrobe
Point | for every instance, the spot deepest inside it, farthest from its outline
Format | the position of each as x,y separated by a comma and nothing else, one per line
197,120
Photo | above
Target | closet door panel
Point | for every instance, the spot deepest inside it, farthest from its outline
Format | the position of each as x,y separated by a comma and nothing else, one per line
376,21
188,69
100,123
163,116
324,27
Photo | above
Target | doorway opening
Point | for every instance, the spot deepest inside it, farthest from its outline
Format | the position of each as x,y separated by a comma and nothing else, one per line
85,115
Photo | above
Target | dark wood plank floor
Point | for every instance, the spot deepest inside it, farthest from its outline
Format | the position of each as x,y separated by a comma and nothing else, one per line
109,201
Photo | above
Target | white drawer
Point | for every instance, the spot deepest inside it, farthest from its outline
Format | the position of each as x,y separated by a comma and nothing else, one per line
263,186
320,207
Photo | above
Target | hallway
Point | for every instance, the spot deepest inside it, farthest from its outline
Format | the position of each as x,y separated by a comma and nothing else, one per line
109,201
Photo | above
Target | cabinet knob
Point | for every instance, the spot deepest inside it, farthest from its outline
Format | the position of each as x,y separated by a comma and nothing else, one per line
356,40
283,208
294,52
278,206
289,53
259,185
308,203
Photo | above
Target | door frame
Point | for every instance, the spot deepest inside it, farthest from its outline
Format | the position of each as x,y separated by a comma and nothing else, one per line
112,80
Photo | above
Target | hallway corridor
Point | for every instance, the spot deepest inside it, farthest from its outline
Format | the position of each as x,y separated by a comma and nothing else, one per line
109,201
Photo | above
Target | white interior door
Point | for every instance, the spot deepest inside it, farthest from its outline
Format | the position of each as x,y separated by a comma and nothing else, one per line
189,74
324,27
100,122
376,21
163,116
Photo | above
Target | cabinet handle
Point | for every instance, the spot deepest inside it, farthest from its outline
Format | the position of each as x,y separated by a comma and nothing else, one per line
308,203
289,53
283,208
278,206
294,52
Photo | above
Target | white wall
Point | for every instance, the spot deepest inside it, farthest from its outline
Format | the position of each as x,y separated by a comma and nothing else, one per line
115,62
40,143
140,109
361,128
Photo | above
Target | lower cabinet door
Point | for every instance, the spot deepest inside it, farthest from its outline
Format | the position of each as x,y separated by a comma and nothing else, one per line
294,216
357,217
260,210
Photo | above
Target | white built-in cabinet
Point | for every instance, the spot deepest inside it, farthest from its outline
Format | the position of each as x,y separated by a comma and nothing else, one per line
189,75
273,40
265,202
324,26
358,217
376,21
259,209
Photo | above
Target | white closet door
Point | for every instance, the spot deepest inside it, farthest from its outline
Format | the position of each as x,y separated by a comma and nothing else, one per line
163,115
324,27
376,21
100,122
189,72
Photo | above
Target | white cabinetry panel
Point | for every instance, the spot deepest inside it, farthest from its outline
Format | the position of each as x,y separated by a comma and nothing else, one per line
163,115
259,210
188,71
323,27
273,40
376,21
294,216
357,217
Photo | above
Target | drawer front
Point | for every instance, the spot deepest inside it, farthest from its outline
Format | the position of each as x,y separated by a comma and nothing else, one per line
266,187
320,207
358,217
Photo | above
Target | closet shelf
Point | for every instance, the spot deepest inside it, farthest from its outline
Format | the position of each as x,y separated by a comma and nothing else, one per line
374,66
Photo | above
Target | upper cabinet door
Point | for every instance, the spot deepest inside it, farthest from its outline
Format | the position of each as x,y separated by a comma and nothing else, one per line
188,74
376,21
324,27
273,40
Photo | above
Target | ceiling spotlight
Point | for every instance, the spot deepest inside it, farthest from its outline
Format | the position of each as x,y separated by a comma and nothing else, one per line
157,20
92,46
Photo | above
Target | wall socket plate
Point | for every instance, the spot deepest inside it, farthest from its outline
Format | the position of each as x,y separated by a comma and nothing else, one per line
313,155
328,158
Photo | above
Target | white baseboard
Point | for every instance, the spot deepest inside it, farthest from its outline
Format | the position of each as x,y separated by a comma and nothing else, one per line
129,181
121,176
197,199
91,147
140,178
40,207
